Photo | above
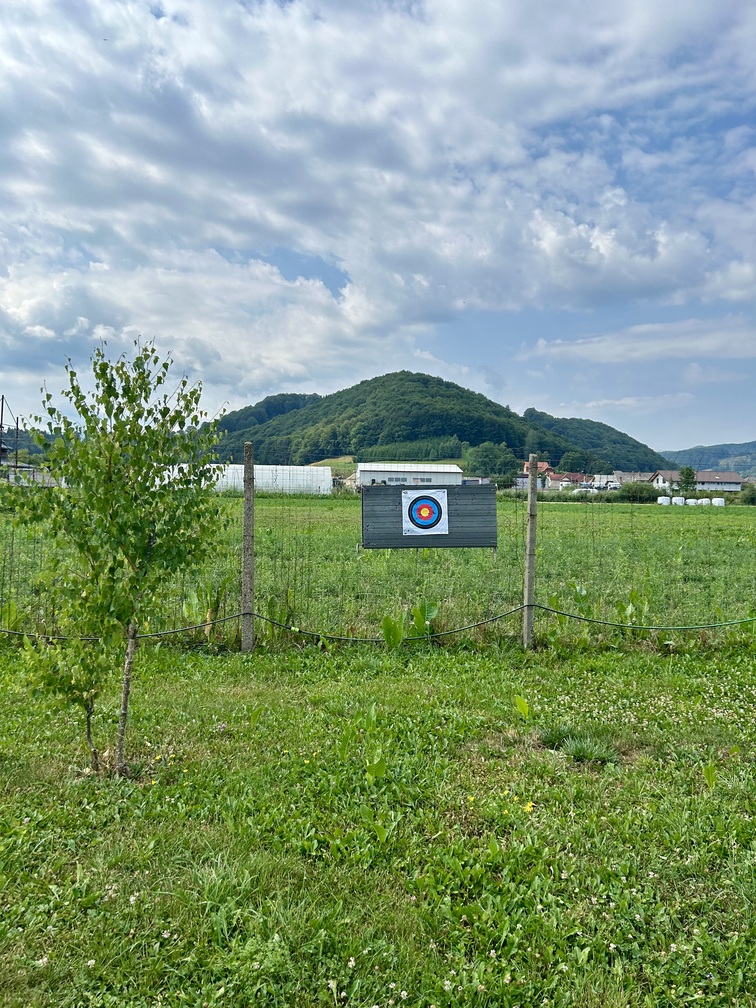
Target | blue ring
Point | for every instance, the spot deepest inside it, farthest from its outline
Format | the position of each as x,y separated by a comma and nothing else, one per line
425,523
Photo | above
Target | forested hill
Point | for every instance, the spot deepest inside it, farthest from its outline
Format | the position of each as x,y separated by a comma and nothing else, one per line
397,416
267,409
601,440
739,458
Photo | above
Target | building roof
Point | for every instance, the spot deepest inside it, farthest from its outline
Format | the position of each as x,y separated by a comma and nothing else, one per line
621,476
670,475
407,467
702,476
710,476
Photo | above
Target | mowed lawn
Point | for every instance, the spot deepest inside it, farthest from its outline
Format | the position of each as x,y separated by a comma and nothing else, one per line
426,826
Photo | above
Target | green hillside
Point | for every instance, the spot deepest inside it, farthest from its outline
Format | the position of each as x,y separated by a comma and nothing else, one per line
601,441
390,412
267,409
739,458
405,415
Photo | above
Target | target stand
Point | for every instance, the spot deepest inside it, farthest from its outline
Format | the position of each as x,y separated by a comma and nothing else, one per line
401,517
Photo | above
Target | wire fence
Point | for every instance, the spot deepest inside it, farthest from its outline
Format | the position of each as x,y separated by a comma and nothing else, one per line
603,572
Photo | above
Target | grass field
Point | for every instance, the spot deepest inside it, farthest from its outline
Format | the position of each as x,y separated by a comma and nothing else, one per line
629,564
453,822
368,827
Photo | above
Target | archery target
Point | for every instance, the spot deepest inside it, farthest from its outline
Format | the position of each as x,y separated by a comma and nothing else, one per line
424,512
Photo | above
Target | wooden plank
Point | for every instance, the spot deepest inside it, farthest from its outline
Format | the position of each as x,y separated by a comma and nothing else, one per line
471,513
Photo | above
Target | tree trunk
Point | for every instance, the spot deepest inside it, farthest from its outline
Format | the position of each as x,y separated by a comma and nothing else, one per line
131,646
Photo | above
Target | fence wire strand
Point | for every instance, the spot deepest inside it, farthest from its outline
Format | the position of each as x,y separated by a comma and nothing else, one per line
431,635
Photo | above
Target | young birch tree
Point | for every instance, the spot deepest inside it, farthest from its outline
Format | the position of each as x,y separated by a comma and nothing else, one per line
132,505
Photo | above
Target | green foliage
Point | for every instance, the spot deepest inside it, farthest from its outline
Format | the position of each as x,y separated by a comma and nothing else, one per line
406,416
418,623
267,409
740,457
747,494
638,493
131,506
583,462
523,707
492,460
421,620
710,774
583,746
30,445
635,609
393,409
392,630
686,480
428,450
600,442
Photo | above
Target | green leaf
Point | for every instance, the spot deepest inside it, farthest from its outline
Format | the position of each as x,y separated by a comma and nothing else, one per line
392,630
381,832
522,707
376,770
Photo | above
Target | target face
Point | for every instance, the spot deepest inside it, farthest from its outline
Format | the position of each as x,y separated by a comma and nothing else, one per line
424,513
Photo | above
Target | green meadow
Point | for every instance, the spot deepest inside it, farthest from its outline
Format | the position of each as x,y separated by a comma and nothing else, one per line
617,563
451,821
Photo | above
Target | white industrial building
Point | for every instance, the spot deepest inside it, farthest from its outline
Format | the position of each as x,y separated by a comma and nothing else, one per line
279,479
408,474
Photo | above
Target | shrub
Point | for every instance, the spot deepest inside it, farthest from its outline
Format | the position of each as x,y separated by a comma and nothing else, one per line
638,493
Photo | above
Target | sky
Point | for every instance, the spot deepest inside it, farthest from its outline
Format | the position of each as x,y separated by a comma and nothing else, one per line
552,203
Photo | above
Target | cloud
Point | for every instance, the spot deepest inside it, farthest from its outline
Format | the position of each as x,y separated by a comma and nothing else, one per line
636,404
697,374
441,157
732,337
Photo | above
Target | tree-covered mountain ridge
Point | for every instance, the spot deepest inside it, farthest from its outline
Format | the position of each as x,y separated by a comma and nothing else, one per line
727,457
412,416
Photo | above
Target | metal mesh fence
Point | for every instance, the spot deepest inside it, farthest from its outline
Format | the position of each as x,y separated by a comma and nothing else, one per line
620,563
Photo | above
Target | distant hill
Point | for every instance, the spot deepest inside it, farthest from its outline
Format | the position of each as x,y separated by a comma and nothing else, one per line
404,415
267,409
602,441
739,458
